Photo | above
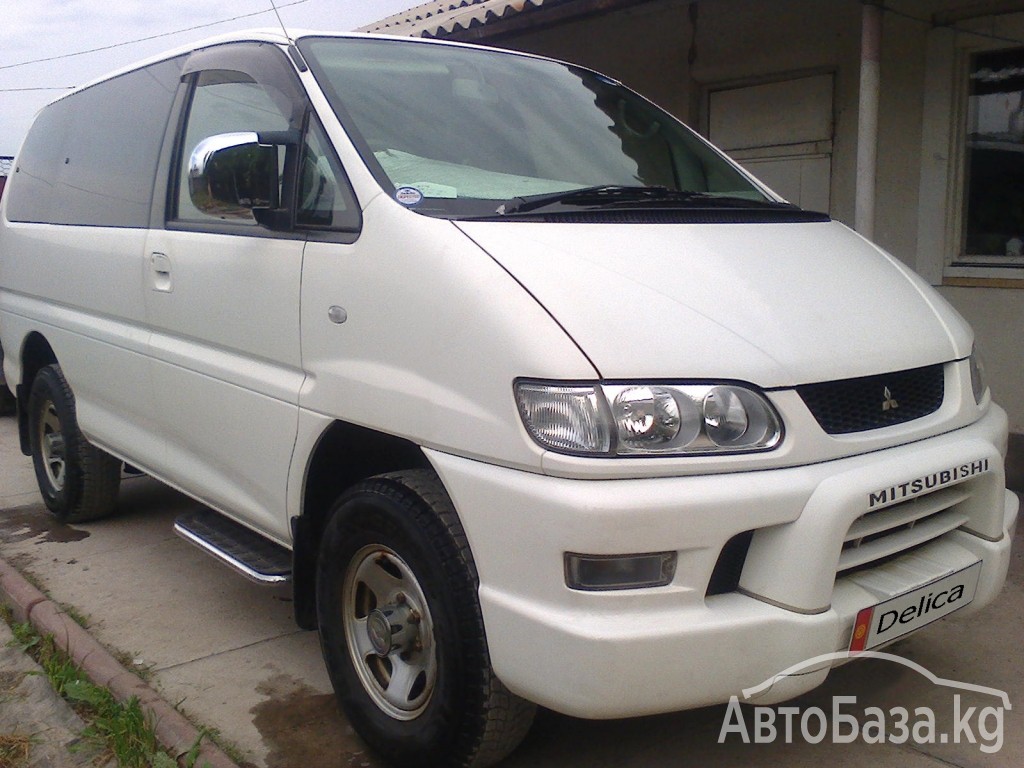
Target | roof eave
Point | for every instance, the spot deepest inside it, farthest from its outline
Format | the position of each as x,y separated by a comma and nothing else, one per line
478,20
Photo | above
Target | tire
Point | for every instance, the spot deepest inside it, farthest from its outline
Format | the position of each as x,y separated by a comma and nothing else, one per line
401,629
77,480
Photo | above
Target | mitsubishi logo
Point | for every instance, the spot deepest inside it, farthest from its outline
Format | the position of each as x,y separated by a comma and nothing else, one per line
889,403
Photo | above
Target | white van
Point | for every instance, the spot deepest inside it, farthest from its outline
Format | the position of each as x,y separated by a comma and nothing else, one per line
534,396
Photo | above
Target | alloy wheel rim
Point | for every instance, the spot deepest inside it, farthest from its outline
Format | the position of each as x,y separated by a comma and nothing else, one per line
53,446
389,632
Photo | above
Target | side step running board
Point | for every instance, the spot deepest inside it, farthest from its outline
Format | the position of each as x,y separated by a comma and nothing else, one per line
255,557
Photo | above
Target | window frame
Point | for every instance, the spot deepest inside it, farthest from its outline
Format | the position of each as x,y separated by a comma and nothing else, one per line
959,263
942,201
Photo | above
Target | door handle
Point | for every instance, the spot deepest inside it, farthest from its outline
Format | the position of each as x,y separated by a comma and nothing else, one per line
160,268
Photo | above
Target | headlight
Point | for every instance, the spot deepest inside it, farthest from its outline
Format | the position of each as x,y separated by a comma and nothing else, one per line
648,419
978,382
652,420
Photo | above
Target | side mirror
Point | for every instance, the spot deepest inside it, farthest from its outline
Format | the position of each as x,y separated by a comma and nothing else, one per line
234,176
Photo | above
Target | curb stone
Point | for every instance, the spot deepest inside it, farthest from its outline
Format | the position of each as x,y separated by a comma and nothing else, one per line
174,732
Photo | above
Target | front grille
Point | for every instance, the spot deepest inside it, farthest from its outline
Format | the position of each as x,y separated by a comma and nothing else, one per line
871,402
894,530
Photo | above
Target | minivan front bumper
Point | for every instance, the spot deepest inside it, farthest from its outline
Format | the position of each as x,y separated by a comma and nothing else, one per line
643,651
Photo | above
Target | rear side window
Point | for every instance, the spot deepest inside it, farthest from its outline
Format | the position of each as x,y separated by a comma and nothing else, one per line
34,179
91,158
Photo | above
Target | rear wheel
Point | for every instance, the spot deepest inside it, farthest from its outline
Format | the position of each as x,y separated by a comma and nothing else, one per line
77,480
401,629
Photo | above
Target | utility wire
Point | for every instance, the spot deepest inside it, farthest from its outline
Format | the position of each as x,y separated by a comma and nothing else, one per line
52,88
150,37
274,9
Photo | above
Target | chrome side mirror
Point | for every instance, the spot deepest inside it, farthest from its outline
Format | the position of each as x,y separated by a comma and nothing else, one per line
233,176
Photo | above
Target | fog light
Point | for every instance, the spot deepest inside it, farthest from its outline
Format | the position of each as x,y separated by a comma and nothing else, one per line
594,572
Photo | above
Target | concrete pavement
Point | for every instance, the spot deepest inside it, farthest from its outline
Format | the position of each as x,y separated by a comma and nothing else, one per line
226,651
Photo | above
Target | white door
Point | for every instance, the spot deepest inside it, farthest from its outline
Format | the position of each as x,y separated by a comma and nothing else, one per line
222,301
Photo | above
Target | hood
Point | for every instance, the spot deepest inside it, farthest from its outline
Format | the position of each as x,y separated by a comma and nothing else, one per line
776,305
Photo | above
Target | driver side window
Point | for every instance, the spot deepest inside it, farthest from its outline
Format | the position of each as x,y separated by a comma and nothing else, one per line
227,102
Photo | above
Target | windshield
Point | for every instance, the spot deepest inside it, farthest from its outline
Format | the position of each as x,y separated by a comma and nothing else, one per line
457,131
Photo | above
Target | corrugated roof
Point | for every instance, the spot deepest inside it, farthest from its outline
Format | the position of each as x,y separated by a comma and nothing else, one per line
440,19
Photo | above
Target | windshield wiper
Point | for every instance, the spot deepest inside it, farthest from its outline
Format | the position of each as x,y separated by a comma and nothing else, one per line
601,194
616,196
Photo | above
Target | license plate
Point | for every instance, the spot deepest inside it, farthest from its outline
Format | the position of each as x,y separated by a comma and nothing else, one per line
903,614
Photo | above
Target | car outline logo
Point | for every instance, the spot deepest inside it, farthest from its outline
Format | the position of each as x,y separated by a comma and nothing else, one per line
816,661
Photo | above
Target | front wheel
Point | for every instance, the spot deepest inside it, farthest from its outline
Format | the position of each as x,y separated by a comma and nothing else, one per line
401,629
77,480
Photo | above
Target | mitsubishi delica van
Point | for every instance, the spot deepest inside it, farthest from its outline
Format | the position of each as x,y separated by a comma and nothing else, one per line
534,396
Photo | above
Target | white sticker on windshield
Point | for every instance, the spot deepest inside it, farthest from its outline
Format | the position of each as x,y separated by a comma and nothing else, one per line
408,195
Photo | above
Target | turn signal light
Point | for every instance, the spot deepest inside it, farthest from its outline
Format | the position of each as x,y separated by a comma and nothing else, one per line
601,572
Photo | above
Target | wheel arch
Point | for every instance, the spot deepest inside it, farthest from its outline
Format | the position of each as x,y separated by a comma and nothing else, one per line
345,454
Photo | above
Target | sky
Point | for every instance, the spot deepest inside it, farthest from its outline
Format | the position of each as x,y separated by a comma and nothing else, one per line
44,29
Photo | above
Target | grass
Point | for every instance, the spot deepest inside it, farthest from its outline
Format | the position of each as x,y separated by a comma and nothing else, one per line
215,736
121,730
14,750
80,618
